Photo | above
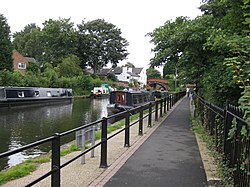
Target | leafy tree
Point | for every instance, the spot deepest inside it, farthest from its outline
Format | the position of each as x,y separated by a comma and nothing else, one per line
6,61
29,41
100,43
69,67
129,64
33,67
51,75
112,77
59,40
153,73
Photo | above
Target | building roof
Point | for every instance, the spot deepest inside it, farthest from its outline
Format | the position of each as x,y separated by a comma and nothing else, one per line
133,74
117,70
30,59
137,70
104,71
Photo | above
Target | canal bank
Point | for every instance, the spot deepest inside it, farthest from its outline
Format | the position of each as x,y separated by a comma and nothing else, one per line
21,126
90,173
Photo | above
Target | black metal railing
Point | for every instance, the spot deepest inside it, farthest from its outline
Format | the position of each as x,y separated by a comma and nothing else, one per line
153,107
231,135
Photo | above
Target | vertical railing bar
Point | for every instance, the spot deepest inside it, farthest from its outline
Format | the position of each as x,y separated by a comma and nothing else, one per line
150,115
127,130
104,133
141,121
55,163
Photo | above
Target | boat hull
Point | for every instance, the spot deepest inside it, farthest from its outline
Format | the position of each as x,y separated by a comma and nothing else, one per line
21,97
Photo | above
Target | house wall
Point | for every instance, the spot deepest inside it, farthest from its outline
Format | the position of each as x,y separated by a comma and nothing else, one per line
124,76
19,62
143,77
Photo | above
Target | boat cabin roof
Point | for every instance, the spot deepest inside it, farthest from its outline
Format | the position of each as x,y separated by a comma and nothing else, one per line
130,98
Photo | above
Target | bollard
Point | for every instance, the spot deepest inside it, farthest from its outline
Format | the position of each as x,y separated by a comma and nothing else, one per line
55,163
103,163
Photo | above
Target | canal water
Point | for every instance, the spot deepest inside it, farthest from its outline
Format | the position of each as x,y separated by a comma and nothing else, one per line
21,126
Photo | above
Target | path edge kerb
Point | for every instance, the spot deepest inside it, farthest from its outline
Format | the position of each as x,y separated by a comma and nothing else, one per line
115,166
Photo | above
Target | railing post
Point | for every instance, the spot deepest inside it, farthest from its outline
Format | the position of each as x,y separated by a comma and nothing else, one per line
141,121
55,163
127,130
93,141
171,101
103,163
83,146
168,102
150,115
165,102
156,111
161,107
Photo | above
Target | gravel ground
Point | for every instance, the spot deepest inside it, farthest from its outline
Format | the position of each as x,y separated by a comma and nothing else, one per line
77,174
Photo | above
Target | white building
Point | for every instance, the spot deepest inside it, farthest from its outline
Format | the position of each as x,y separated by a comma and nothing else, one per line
127,74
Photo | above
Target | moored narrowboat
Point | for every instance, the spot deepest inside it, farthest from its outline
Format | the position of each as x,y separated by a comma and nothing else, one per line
125,100
23,96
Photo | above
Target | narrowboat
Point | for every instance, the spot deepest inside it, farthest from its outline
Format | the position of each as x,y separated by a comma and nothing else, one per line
102,92
125,100
159,94
23,96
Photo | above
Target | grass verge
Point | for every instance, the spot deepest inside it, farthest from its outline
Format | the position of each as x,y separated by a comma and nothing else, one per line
32,164
224,173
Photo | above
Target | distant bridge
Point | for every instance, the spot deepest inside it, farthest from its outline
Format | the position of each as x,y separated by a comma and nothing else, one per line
155,81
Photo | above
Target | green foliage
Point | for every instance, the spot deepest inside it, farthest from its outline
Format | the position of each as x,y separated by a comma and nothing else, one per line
71,149
100,43
212,50
153,73
16,172
9,78
69,67
59,40
6,47
29,42
245,104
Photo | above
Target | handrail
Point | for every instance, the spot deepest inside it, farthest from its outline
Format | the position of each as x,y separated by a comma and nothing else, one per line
231,137
165,103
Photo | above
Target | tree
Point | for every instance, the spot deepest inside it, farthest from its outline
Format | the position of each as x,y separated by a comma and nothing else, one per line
6,48
100,43
69,67
198,48
59,40
129,65
153,73
29,42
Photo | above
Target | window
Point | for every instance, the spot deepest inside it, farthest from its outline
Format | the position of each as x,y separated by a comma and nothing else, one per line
21,65
37,93
20,94
49,93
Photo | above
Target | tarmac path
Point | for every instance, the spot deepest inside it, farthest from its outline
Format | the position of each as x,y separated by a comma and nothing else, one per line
168,158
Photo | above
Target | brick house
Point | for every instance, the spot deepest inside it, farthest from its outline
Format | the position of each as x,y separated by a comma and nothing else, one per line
19,61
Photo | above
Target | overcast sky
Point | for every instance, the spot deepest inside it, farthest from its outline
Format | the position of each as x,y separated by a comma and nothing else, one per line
135,18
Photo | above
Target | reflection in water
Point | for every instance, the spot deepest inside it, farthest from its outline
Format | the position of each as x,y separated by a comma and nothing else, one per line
22,126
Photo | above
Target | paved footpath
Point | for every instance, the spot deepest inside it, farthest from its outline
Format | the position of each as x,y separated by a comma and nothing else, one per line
168,158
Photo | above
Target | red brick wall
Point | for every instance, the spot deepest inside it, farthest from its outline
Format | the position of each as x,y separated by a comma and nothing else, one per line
18,58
